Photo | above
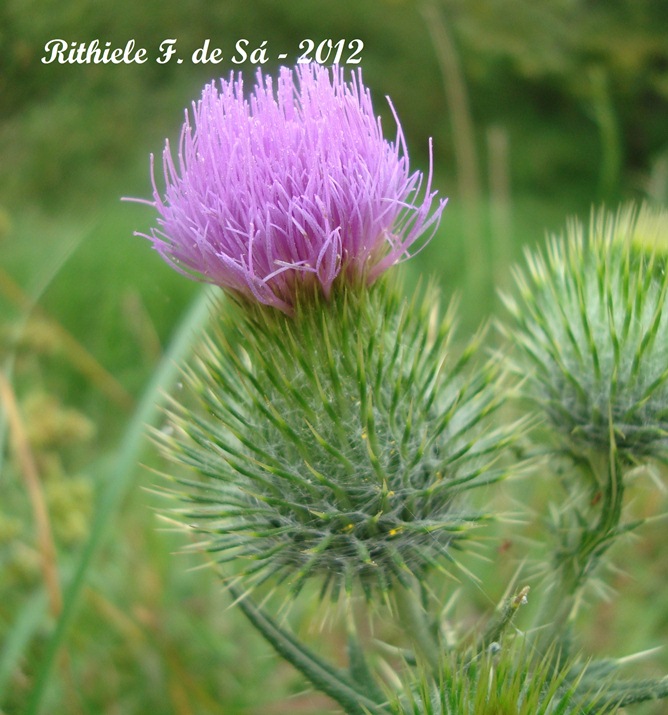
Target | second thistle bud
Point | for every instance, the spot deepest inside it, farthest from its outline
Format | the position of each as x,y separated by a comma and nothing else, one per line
339,443
591,323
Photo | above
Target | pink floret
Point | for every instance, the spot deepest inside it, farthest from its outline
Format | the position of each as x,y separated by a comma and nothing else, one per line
294,184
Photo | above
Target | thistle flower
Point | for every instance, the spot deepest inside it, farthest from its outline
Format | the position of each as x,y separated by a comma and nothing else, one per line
339,444
591,324
294,185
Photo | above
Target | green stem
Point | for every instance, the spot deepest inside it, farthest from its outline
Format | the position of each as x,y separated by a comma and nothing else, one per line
576,564
322,675
359,669
413,620
498,627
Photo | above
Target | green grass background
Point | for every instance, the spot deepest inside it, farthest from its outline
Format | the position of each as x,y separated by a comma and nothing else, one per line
537,112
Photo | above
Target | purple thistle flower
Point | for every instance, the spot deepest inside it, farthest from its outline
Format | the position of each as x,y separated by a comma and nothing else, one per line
294,184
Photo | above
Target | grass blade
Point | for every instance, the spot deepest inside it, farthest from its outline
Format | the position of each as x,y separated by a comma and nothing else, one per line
118,482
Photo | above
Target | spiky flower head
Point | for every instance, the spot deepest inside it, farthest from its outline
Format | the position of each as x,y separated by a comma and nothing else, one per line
337,444
591,324
294,184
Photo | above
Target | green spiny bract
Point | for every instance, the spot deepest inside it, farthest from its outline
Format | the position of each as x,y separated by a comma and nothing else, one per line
592,328
337,443
506,679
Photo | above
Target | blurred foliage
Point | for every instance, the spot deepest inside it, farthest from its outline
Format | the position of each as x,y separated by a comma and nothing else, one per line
573,81
576,57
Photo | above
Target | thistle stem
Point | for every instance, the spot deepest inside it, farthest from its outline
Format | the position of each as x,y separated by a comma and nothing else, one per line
322,675
413,619
575,564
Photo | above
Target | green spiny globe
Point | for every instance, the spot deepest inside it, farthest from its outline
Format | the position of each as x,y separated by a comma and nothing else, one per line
591,325
339,442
